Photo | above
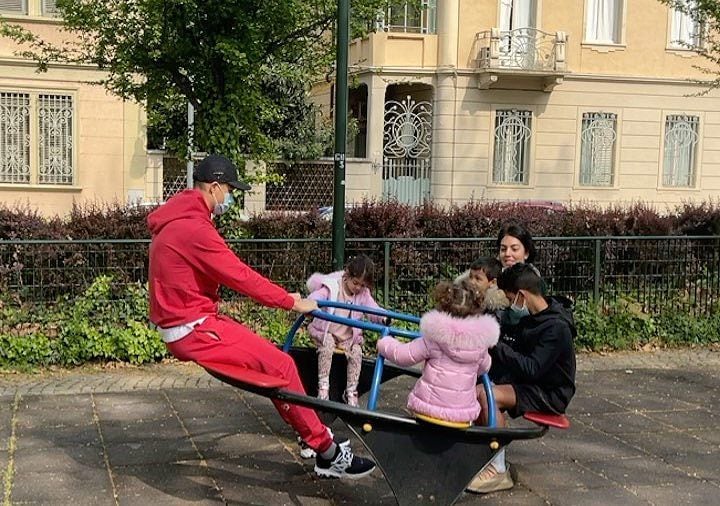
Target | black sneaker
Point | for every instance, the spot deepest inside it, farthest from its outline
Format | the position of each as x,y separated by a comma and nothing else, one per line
343,465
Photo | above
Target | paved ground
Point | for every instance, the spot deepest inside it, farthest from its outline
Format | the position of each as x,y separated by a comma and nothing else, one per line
645,431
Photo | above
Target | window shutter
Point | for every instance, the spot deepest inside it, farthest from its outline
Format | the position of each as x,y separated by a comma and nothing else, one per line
49,7
14,137
13,6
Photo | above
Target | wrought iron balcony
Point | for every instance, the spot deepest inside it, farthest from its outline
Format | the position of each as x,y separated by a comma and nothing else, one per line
527,52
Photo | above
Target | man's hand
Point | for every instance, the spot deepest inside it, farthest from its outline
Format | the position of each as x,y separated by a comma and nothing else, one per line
305,305
296,296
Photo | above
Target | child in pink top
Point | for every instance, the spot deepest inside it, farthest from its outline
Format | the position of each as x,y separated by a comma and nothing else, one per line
454,345
352,286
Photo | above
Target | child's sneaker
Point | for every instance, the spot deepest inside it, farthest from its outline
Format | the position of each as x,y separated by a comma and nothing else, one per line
344,465
351,398
308,453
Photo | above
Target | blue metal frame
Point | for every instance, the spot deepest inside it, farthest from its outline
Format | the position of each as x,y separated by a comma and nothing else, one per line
383,330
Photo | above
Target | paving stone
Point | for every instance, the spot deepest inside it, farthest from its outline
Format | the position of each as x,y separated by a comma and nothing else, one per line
55,417
5,428
667,443
687,419
69,486
57,460
624,423
582,443
596,497
640,471
56,437
560,476
180,483
167,427
692,492
55,402
150,407
517,496
141,452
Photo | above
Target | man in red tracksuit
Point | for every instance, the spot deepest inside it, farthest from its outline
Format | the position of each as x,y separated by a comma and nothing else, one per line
188,262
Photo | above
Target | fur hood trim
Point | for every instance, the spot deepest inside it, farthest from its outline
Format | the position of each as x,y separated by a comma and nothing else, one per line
480,331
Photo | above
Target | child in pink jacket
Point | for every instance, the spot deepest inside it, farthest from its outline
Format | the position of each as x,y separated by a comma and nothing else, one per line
454,345
351,285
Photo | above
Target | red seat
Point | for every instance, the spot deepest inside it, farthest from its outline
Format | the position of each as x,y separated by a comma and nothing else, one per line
548,419
245,375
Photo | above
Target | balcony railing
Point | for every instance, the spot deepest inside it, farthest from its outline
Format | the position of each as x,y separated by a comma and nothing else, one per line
527,49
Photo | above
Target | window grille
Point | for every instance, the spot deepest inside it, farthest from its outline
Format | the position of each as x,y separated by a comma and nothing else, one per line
14,138
597,149
512,146
55,118
681,138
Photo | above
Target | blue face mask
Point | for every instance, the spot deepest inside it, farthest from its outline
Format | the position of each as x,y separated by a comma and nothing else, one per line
516,313
222,207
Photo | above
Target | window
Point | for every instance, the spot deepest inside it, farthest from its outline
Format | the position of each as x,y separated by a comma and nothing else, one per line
597,149
49,7
36,130
603,21
13,6
511,155
14,138
685,32
412,17
680,152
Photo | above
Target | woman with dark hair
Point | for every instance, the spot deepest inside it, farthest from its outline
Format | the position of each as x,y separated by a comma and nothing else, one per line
515,245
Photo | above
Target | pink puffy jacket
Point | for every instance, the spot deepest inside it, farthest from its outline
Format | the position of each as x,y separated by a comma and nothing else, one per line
455,351
326,287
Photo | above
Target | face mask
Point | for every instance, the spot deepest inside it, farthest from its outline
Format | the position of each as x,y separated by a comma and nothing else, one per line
222,207
516,313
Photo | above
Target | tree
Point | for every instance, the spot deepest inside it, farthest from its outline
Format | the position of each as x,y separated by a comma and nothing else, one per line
245,65
706,17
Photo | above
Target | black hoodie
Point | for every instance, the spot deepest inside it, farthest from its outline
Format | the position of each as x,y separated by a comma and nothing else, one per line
542,353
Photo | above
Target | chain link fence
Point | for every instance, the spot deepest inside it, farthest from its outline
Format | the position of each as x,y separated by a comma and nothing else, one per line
305,186
653,272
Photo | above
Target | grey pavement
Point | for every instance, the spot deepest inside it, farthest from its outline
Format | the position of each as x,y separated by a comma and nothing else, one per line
645,430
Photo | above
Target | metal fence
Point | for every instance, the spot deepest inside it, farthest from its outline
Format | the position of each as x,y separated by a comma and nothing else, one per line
654,272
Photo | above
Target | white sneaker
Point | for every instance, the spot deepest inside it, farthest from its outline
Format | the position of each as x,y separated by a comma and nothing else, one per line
308,453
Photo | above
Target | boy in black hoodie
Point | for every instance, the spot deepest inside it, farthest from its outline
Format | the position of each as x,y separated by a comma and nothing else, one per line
536,370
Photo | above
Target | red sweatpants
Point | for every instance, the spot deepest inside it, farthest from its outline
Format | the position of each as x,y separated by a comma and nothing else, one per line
223,340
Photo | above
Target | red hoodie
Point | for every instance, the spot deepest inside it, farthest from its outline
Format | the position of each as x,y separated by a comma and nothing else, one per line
189,261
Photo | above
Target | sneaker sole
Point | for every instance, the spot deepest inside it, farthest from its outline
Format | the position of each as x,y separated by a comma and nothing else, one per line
327,473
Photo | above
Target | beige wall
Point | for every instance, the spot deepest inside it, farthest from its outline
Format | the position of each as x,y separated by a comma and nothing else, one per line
554,163
111,160
643,51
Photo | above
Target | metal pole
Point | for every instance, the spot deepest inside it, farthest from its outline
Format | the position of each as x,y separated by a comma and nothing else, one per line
191,135
341,99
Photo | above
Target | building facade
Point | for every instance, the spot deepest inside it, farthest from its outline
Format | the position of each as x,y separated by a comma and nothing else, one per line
563,100
62,139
